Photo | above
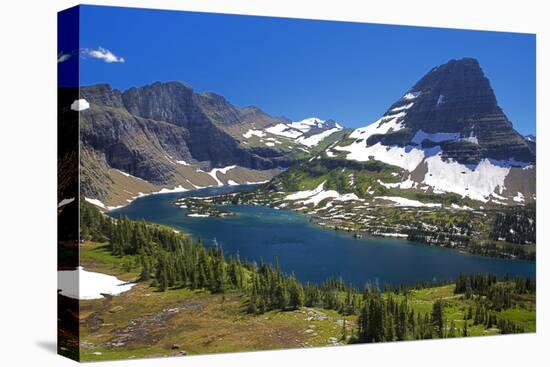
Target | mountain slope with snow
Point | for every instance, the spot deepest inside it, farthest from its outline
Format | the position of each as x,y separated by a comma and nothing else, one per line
448,135
302,135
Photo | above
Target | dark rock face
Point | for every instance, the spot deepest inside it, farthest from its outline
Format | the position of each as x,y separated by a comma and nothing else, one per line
457,98
132,144
102,95
177,104
143,130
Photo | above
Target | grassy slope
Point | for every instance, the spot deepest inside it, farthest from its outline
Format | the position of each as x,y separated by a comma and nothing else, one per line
200,322
456,307
367,180
200,325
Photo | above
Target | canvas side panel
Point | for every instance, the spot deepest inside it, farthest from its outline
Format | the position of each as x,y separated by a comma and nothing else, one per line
68,183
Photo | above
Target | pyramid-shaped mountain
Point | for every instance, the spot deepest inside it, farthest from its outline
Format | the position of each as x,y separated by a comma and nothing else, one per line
454,105
450,135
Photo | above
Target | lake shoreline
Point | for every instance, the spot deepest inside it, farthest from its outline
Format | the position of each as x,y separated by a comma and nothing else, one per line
225,199
314,252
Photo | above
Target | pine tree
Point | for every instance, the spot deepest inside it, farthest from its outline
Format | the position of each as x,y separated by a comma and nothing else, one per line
296,294
437,319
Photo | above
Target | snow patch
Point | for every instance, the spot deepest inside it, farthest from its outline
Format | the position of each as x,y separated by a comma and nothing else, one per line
477,183
519,198
128,175
380,126
399,201
407,157
401,108
96,202
306,193
407,184
458,207
213,173
297,130
348,197
85,285
284,130
80,105
411,95
307,124
317,198
314,140
398,235
250,133
165,190
65,202
318,194
471,139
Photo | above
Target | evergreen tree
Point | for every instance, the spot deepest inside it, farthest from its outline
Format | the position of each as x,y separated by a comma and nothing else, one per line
437,319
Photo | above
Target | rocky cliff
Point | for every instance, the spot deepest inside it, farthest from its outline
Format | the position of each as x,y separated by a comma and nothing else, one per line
166,135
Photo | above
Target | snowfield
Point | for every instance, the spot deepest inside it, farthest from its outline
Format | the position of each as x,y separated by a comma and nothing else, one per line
405,157
98,203
458,207
407,184
250,133
64,202
318,194
411,95
313,140
380,126
309,123
213,173
131,176
85,285
306,193
298,129
401,108
399,201
80,105
284,130
477,183
519,198
165,190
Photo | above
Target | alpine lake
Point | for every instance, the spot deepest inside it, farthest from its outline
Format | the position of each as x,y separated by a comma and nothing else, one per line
314,254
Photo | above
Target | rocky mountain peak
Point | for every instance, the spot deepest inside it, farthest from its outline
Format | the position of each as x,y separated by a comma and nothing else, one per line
454,106
460,87
162,101
103,95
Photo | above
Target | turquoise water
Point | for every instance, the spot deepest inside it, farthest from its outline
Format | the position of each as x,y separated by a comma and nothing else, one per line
312,253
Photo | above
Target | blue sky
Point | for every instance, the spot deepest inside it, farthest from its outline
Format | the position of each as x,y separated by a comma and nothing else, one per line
349,72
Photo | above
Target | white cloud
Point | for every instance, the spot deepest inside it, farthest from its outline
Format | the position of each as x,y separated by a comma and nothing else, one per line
102,54
61,57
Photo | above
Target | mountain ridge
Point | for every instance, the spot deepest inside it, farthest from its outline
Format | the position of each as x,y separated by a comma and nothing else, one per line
167,135
448,134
